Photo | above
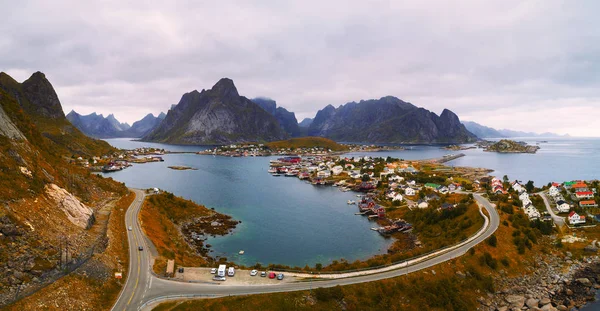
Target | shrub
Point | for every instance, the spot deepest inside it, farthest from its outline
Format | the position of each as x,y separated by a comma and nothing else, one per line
492,240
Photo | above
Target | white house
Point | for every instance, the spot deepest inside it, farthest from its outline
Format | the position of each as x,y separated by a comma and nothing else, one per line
563,206
575,219
423,204
443,190
409,191
524,196
553,191
397,197
336,170
323,174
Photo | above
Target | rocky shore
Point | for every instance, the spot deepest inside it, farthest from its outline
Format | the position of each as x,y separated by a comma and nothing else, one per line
552,283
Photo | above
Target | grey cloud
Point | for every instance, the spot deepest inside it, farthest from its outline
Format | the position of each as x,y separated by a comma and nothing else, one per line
476,58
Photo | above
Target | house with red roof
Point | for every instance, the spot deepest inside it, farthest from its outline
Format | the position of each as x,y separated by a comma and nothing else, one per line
588,203
575,219
584,194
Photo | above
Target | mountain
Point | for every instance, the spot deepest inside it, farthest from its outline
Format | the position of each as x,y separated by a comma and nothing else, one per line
305,123
388,120
98,126
47,200
118,125
216,116
482,131
287,120
144,126
39,101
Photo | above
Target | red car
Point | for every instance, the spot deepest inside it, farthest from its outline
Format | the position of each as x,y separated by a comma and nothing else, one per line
272,275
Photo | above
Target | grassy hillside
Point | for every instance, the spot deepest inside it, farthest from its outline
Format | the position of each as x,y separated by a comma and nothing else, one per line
307,142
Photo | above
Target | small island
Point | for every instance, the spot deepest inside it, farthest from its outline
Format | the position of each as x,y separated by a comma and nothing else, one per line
182,168
508,146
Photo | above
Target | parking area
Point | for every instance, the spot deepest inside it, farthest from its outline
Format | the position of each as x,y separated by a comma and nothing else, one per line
242,277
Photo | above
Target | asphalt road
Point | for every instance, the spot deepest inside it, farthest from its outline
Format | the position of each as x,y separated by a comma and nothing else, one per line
560,221
143,288
139,274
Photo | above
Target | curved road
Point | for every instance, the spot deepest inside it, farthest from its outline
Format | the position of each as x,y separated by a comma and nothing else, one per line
142,287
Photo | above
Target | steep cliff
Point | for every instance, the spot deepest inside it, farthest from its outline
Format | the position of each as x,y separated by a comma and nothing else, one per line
216,116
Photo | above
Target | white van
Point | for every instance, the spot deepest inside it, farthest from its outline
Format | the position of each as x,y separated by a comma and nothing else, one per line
221,271
231,271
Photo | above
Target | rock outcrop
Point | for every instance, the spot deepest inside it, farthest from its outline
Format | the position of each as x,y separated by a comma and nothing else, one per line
388,120
8,128
77,213
216,116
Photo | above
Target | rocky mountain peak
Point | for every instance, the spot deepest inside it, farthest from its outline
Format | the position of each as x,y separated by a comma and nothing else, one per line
225,88
42,96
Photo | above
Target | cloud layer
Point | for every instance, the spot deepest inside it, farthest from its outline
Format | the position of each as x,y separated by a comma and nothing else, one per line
525,65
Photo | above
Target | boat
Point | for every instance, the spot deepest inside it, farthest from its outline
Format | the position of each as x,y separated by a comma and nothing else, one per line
272,170
276,174
241,252
351,202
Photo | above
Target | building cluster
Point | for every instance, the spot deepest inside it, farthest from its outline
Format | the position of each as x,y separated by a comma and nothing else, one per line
527,205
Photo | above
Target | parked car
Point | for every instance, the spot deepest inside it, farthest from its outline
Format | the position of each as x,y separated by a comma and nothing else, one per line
271,275
219,278
130,228
263,274
180,270
253,273
213,271
280,276
141,248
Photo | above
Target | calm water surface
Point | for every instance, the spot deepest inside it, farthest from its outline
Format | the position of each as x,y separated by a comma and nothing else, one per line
286,221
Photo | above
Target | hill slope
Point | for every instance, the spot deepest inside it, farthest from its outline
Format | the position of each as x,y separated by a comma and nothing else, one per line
46,200
216,116
307,142
388,120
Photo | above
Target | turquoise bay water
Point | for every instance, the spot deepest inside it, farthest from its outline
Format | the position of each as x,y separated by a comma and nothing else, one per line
287,221
284,220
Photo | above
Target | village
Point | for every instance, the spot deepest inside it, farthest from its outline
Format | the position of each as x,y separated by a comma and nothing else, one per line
274,149
387,184
120,160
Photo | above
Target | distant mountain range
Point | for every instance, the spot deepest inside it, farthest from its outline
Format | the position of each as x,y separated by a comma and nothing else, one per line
482,131
221,116
98,126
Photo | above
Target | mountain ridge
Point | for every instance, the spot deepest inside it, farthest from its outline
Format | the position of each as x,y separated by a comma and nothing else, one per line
388,120
216,116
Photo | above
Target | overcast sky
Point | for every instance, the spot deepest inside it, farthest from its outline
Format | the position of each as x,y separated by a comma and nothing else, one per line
524,65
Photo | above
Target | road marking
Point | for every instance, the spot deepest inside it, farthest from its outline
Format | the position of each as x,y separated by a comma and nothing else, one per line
137,279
